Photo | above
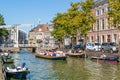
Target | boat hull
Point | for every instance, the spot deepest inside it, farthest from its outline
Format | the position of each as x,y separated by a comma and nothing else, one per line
17,75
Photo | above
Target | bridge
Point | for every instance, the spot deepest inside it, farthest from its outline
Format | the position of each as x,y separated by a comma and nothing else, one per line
30,47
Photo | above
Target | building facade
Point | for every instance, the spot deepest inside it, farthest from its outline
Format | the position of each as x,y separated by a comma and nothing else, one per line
22,37
15,37
101,30
41,34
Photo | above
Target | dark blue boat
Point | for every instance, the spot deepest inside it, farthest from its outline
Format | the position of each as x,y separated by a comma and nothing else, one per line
113,60
16,72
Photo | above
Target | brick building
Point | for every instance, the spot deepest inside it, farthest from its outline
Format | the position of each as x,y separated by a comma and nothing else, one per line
41,34
101,31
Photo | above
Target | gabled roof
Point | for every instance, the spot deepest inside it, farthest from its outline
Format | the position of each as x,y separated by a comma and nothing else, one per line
100,2
41,28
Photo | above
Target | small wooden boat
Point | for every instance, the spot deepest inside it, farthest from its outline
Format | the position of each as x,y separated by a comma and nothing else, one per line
51,57
16,72
112,60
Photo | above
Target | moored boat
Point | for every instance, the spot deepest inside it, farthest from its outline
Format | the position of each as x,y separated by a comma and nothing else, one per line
51,57
113,60
19,72
7,59
78,54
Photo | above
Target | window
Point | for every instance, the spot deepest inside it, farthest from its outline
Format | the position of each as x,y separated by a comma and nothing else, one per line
108,38
97,13
98,39
92,38
103,25
103,38
102,11
98,25
108,23
108,9
115,37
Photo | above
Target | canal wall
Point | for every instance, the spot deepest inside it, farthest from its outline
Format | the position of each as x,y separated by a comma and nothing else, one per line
2,74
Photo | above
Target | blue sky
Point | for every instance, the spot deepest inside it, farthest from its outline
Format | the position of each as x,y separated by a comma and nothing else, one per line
32,11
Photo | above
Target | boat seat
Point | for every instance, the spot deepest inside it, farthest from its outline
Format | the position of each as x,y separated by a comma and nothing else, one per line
54,54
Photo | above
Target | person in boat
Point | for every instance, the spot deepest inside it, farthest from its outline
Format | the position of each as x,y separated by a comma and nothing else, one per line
103,56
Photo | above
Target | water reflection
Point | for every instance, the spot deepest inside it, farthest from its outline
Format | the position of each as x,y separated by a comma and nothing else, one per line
102,71
72,69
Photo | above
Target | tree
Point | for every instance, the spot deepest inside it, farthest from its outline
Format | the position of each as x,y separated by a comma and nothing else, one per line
78,19
87,17
3,31
1,20
59,22
114,13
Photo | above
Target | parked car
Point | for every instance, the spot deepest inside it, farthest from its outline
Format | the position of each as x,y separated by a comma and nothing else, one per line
93,46
67,46
89,46
97,46
79,47
109,46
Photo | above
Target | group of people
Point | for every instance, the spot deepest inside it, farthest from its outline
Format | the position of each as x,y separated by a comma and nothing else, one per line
52,53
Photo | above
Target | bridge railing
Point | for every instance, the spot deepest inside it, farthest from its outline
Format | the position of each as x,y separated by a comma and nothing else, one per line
28,45
32,45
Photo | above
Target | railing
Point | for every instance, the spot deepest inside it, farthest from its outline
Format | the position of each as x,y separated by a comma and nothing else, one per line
33,45
27,45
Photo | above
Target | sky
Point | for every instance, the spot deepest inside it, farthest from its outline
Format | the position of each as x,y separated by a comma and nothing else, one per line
32,11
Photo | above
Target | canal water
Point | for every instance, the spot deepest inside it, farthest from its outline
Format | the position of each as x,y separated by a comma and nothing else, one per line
71,69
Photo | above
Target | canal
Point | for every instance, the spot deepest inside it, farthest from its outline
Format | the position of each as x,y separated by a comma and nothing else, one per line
71,69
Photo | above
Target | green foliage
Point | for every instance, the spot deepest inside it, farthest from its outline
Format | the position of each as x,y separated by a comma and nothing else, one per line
1,20
3,31
77,19
87,5
114,13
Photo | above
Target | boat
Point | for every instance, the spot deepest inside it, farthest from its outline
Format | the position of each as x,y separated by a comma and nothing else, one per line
51,57
113,60
7,59
19,72
77,53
